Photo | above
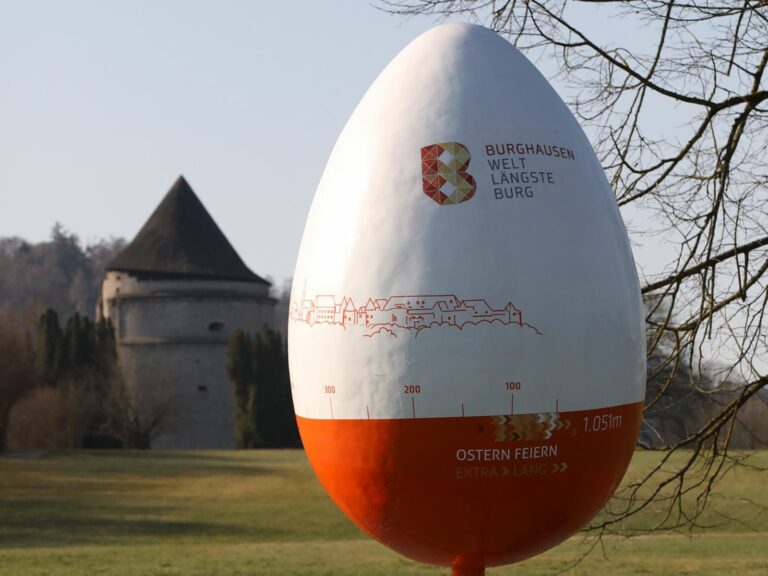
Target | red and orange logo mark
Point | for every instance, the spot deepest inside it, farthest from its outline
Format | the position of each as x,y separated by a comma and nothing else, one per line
444,173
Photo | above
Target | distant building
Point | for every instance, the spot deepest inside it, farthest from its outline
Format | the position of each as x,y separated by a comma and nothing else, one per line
175,294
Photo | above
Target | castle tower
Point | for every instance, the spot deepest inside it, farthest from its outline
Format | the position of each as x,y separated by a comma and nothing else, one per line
175,294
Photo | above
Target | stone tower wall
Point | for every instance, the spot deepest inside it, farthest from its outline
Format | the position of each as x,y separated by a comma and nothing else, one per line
172,346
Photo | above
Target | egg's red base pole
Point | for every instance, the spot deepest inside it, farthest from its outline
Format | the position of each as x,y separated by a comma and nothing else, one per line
467,571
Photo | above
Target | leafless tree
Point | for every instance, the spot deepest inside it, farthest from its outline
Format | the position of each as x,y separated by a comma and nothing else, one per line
136,420
17,373
60,273
702,179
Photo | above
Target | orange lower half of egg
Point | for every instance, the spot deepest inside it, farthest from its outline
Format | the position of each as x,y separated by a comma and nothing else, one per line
471,492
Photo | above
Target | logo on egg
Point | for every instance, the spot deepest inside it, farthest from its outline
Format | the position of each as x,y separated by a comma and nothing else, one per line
444,173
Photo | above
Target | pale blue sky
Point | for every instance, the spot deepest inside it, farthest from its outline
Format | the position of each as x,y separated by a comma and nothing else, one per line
104,103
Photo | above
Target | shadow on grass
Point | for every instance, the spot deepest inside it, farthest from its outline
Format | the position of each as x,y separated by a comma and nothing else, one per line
147,464
100,497
50,523
120,497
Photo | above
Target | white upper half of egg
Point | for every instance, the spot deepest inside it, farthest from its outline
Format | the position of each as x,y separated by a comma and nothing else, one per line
424,284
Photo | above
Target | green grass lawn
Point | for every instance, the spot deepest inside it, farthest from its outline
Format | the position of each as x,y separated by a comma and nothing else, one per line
263,512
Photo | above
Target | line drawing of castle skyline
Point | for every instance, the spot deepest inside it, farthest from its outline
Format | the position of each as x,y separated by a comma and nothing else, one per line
407,312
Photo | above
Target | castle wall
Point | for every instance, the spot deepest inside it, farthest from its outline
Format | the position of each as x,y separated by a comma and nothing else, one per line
124,284
186,318
172,346
187,385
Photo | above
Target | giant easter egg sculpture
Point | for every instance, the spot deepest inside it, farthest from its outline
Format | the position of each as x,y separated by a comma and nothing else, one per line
466,329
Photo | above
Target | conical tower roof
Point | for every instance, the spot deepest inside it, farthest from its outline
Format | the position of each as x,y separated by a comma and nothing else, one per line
180,239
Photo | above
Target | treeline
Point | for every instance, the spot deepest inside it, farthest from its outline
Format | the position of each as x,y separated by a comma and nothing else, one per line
61,274
680,402
683,397
61,388
82,351
258,369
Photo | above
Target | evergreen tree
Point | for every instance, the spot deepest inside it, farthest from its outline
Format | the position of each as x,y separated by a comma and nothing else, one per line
105,347
258,370
81,361
49,347
275,416
240,370
77,344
